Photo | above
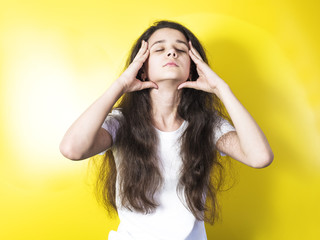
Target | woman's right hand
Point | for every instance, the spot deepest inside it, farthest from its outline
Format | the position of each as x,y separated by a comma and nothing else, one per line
128,78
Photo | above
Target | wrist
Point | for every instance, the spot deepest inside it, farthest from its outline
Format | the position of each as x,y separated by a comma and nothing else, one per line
120,86
221,89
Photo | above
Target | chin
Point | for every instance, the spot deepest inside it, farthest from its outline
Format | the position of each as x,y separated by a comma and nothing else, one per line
170,77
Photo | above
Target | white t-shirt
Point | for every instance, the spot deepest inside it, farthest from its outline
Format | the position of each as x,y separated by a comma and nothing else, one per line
172,219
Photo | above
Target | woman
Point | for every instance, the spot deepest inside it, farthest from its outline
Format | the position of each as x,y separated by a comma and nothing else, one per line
165,135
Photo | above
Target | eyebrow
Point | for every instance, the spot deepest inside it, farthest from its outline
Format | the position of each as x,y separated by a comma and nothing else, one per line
178,41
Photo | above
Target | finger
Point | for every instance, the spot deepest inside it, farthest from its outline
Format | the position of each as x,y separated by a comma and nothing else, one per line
141,58
194,51
145,55
188,85
140,61
202,66
142,50
194,57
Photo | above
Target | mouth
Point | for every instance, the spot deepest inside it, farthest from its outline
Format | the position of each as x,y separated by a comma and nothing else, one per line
172,64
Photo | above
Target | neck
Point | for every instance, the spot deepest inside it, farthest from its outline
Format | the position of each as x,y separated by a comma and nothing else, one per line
165,101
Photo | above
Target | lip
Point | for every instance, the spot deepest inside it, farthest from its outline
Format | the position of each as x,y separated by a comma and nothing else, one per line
171,64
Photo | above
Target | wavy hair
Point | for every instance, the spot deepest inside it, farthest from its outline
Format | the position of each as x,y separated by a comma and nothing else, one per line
138,173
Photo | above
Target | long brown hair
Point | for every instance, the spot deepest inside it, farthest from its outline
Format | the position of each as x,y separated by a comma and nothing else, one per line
138,172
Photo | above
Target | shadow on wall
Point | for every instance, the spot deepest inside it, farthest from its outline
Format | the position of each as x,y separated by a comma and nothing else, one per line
241,205
247,208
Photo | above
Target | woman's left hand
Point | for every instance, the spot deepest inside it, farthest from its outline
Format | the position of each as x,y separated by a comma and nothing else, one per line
208,80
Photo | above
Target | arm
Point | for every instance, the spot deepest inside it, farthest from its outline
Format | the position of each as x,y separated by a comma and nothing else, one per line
248,144
86,137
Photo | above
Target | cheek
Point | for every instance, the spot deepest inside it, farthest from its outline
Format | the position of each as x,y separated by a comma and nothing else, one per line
188,64
152,62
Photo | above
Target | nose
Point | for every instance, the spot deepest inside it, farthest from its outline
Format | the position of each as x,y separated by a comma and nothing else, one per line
172,53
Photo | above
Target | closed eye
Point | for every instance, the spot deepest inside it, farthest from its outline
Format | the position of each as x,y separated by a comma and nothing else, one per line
179,50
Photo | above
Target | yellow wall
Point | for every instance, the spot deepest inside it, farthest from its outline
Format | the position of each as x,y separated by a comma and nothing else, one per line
58,56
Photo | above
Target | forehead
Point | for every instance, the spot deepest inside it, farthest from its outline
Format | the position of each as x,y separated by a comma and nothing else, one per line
166,34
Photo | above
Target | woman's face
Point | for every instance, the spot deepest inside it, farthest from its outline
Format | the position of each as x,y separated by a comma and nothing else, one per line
168,58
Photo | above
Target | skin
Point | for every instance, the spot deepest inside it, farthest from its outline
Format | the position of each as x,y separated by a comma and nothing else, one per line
86,138
173,48
165,46
247,144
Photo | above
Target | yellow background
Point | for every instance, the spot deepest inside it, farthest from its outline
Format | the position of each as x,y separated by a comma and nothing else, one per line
58,56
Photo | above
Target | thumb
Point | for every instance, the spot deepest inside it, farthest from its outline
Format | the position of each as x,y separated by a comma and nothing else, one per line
188,84
149,84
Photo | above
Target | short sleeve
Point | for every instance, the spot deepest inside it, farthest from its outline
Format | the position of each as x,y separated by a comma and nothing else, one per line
111,124
223,127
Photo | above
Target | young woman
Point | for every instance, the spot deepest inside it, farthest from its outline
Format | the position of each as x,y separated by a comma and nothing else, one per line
162,169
